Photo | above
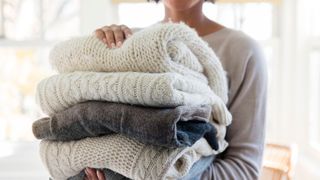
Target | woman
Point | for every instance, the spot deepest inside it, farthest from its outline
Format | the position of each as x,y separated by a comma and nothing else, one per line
245,66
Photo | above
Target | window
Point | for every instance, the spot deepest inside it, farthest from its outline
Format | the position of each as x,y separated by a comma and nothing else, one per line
28,30
312,31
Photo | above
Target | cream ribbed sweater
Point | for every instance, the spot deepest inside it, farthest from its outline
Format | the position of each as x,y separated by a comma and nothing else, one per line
122,155
158,89
160,48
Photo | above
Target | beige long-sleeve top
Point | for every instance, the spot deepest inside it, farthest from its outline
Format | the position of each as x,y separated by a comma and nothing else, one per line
245,65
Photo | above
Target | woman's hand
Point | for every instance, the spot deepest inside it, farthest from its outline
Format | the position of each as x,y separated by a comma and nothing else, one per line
114,35
93,174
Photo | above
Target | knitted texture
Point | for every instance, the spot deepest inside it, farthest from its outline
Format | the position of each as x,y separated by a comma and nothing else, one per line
160,48
60,92
122,155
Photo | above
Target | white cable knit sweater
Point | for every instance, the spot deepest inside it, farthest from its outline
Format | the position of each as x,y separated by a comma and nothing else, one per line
160,48
122,155
60,92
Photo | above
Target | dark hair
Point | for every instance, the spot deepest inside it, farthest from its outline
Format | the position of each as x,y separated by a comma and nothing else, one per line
213,1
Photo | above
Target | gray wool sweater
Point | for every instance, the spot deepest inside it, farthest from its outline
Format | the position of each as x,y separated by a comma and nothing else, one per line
245,65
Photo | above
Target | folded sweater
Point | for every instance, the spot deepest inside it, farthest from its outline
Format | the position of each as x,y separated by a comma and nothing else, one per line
60,92
122,155
169,47
169,127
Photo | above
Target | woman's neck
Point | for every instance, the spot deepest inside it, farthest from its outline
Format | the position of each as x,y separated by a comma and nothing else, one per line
194,18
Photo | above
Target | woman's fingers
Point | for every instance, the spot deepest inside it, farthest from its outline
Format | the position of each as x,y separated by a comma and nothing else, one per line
114,35
100,175
118,35
109,37
91,174
100,35
127,32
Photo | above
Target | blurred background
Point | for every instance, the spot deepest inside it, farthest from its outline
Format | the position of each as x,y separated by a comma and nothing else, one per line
288,31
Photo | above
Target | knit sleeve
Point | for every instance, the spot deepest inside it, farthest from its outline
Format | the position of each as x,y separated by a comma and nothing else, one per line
246,135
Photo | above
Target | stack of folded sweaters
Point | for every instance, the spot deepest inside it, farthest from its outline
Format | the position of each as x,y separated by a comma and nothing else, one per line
151,109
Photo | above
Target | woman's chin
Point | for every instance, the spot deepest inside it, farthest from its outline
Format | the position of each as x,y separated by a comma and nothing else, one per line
180,5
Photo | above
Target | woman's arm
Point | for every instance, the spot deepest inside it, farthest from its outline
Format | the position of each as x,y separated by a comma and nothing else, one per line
246,134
